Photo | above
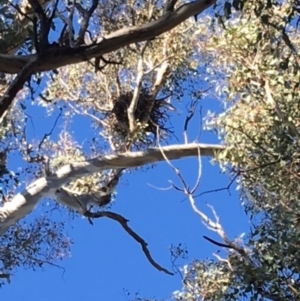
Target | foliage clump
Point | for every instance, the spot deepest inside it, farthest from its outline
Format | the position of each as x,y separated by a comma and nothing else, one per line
33,245
259,87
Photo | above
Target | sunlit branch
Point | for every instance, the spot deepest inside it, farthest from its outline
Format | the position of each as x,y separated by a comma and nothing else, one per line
159,80
134,101
23,203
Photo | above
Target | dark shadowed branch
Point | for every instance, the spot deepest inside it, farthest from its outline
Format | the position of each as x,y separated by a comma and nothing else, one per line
56,57
17,84
124,223
219,244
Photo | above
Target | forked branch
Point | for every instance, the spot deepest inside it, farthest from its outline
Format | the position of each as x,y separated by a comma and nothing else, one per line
23,203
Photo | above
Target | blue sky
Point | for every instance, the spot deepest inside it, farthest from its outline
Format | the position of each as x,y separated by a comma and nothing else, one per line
105,260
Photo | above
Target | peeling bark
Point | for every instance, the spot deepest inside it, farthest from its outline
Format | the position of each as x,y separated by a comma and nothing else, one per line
24,202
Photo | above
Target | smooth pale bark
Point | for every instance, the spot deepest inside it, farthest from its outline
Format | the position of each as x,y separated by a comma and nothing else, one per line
54,58
24,202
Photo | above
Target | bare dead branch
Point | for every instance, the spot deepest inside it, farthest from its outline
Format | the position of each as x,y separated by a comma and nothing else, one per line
219,189
124,223
208,222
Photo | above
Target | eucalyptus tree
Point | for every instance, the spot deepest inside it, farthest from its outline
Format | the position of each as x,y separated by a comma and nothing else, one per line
123,65
255,63
100,60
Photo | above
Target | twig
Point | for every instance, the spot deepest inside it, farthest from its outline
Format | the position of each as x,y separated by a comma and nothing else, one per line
124,223
105,61
160,188
158,64
51,131
85,113
219,189
238,173
217,243
209,223
224,260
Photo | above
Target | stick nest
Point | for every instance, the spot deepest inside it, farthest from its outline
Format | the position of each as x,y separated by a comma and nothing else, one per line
159,116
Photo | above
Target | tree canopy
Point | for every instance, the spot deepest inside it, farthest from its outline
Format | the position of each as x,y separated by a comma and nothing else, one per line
125,66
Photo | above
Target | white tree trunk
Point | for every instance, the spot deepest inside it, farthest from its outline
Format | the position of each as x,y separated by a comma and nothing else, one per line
24,202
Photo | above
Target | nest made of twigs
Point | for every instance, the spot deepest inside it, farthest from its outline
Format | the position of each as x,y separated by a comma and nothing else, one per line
158,117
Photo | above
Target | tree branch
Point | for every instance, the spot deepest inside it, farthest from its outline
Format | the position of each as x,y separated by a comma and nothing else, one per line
217,243
17,84
24,16
58,57
124,223
86,15
23,203
137,90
